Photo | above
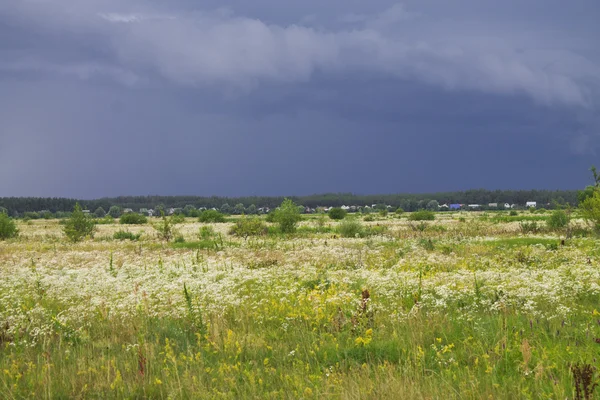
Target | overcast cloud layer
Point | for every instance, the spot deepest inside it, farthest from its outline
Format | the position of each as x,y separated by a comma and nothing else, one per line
103,98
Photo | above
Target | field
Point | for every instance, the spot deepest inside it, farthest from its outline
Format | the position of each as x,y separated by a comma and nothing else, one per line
466,306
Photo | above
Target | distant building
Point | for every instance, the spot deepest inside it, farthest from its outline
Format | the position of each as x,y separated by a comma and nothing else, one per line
474,206
455,206
506,205
493,205
531,204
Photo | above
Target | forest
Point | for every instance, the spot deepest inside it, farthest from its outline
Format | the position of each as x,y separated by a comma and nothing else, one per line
407,201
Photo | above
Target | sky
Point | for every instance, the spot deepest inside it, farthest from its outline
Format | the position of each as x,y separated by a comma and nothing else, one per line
267,97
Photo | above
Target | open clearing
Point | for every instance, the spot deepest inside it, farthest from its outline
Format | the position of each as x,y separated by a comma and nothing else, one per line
465,306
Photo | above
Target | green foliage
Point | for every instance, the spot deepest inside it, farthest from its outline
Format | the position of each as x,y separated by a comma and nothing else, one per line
350,228
558,220
422,215
8,228
590,210
206,232
99,213
337,213
133,219
383,213
287,216
107,220
433,205
79,226
369,218
211,216
513,213
165,229
239,209
178,218
529,227
114,211
399,211
248,226
124,235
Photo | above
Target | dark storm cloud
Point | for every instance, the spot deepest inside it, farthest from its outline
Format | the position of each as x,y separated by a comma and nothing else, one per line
267,97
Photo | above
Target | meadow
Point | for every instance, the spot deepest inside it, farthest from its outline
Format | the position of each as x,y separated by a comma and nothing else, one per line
468,306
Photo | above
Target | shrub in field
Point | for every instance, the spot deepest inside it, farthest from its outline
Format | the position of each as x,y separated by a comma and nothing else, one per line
369,218
124,235
590,210
206,232
558,220
287,216
337,213
208,216
529,227
8,228
79,226
178,218
107,220
513,213
399,211
422,215
133,219
100,213
384,213
165,228
350,228
248,226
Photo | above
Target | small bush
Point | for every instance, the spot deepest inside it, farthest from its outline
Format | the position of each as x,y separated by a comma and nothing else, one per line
179,239
369,218
178,218
133,219
165,228
337,213
513,213
124,235
79,226
558,220
206,232
350,228
422,215
399,211
107,220
8,228
530,227
541,211
245,227
211,216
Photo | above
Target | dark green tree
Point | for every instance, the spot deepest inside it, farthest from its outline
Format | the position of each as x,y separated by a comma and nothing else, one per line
287,216
114,211
8,228
79,226
337,213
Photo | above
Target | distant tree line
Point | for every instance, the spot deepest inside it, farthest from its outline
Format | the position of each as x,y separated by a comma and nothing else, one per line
19,206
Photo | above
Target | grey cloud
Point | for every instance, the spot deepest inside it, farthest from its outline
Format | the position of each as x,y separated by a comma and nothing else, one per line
222,48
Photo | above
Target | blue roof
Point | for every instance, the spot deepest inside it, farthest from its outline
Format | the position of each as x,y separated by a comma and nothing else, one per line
454,205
